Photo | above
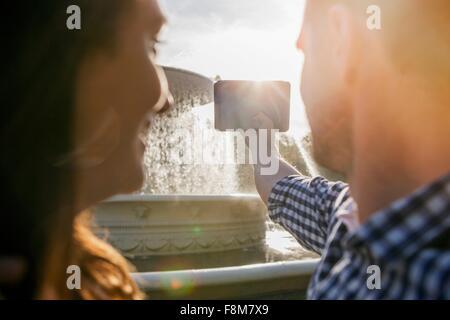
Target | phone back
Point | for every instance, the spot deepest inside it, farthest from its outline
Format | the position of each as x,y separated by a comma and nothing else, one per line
240,104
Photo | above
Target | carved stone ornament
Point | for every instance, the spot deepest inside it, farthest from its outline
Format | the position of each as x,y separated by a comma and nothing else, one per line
149,225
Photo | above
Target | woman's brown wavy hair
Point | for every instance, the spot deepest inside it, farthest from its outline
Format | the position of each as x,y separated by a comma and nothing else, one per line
40,60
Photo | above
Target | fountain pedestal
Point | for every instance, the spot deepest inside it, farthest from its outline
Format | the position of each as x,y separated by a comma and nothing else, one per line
141,226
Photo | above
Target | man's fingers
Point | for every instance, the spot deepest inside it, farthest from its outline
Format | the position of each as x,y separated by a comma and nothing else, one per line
262,121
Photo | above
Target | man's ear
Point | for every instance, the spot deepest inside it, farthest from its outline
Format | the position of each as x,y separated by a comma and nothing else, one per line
344,41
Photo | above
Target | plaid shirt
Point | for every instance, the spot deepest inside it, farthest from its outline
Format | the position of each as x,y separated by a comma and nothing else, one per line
409,241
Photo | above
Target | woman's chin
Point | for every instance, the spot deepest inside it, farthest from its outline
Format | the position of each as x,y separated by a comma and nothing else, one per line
136,185
133,181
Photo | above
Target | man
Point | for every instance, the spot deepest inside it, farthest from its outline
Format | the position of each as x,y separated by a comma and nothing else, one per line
378,102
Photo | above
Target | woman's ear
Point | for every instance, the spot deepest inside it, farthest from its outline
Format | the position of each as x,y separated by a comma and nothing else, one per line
344,38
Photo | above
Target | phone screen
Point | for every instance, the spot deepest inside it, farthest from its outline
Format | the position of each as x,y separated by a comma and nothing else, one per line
237,103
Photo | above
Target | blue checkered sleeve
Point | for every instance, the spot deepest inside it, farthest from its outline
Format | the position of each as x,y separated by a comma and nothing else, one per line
304,207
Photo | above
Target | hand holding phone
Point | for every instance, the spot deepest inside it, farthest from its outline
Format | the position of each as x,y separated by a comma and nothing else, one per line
262,121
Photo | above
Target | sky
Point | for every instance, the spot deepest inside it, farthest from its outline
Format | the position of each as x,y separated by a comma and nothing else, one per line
237,39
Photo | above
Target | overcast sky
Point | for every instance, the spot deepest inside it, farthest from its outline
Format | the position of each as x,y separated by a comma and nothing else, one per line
236,39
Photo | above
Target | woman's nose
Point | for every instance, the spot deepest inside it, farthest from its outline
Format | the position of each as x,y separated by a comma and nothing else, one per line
168,105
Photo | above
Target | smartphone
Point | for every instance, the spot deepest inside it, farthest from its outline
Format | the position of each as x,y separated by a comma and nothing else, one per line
237,103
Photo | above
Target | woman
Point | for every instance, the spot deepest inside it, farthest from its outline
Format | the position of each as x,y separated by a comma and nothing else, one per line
74,103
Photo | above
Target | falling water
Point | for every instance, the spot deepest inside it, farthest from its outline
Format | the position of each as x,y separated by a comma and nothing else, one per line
179,145
186,155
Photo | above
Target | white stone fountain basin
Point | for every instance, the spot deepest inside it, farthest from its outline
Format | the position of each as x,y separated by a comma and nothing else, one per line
153,225
268,280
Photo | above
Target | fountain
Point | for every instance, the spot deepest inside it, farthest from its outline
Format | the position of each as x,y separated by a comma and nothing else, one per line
158,225
188,232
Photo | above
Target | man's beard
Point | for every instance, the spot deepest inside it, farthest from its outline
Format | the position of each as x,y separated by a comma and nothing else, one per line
329,158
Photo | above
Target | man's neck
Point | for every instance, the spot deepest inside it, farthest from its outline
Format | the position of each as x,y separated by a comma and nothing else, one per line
375,187
398,157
